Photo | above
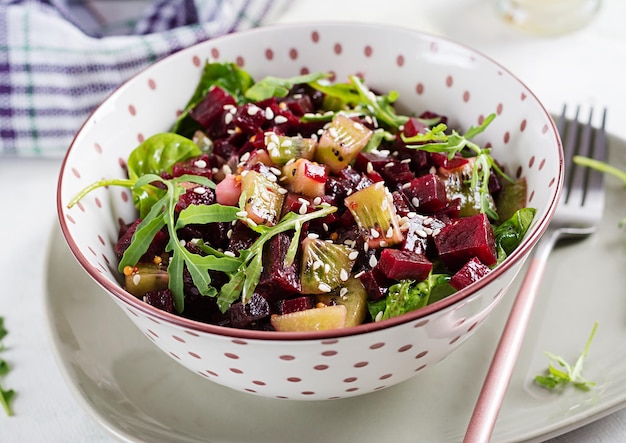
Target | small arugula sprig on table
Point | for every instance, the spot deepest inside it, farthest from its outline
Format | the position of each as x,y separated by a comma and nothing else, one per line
439,141
5,395
559,378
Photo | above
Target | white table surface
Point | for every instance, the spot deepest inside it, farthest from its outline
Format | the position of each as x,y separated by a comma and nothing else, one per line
584,67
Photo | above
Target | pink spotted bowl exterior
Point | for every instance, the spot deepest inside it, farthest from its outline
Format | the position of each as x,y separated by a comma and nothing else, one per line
430,73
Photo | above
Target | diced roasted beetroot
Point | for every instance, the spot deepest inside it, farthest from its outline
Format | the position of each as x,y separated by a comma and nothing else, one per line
368,161
301,303
442,161
156,247
471,271
203,308
429,115
413,127
196,166
163,300
401,264
241,237
195,195
465,238
243,315
296,203
249,118
211,108
419,234
396,172
427,193
375,283
299,104
277,280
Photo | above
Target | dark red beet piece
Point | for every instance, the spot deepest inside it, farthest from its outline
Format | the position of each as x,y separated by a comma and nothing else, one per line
197,195
243,315
241,237
277,280
196,166
302,303
471,271
427,193
163,300
400,264
465,238
396,172
413,127
376,284
211,108
156,247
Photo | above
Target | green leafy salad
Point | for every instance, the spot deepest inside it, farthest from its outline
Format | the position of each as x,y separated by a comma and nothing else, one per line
298,204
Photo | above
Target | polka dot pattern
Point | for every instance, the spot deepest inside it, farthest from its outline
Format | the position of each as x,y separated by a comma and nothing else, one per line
522,137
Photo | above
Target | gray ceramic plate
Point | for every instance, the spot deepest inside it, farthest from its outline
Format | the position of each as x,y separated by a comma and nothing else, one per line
140,394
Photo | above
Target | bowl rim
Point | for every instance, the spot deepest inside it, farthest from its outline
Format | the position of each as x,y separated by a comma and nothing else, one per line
246,334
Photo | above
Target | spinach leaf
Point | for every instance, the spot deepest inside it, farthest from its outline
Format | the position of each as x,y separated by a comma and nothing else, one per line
270,86
509,234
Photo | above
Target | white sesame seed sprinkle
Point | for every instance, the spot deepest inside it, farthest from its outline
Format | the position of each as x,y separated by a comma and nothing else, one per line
272,177
280,119
242,214
136,279
245,157
326,268
389,232
383,244
275,170
269,114
228,107
343,275
370,167
317,264
421,233
200,164
317,201
406,185
313,235
199,190
366,246
428,231
374,233
415,201
285,143
406,160
229,253
251,222
325,226
343,292
353,255
226,169
324,287
436,231
229,234
303,209
388,165
303,201
282,190
379,316
253,110
228,118
373,261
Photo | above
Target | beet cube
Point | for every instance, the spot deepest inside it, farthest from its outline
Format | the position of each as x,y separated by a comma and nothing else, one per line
471,271
163,300
126,235
277,280
242,315
427,193
413,127
290,305
211,108
196,166
465,238
196,195
376,284
400,264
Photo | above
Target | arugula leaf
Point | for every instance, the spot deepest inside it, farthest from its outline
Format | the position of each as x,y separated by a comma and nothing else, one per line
437,140
243,282
557,378
270,86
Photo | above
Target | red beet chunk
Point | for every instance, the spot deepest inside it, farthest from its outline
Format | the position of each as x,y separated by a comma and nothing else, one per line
249,118
163,300
450,164
196,166
290,305
277,280
243,315
126,234
413,127
400,264
464,239
471,271
397,172
376,283
241,237
427,193
196,195
211,108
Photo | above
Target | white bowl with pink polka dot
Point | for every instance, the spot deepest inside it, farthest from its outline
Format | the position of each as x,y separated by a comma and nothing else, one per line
429,73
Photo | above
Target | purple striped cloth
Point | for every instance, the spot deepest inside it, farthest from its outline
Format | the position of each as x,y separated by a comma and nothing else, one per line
60,58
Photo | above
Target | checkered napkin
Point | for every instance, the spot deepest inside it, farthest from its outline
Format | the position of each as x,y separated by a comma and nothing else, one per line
55,68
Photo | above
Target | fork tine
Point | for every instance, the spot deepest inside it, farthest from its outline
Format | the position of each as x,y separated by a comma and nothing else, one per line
569,131
579,175
595,180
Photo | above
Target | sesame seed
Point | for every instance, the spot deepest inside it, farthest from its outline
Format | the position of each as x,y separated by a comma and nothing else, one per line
379,316
182,243
228,107
427,221
389,232
326,268
313,235
373,261
359,274
411,215
370,167
253,110
200,164
317,264
406,160
383,244
366,246
324,287
379,185
421,233
343,275
388,165
343,292
215,170
325,204
405,226
325,226
374,233
251,222
271,146
136,279
229,253
269,114
415,202
285,143
282,190
406,185
303,201
349,191
229,234
242,214
428,231
436,232
272,177
353,255
275,170
228,118
317,201
227,169
279,119
199,190
244,157
303,209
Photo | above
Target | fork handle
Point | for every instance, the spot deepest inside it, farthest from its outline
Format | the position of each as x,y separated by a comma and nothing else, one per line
496,382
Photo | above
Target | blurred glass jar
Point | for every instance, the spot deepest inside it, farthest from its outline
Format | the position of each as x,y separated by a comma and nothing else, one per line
548,17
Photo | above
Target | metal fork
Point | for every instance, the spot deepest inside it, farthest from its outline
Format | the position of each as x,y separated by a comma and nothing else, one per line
578,213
